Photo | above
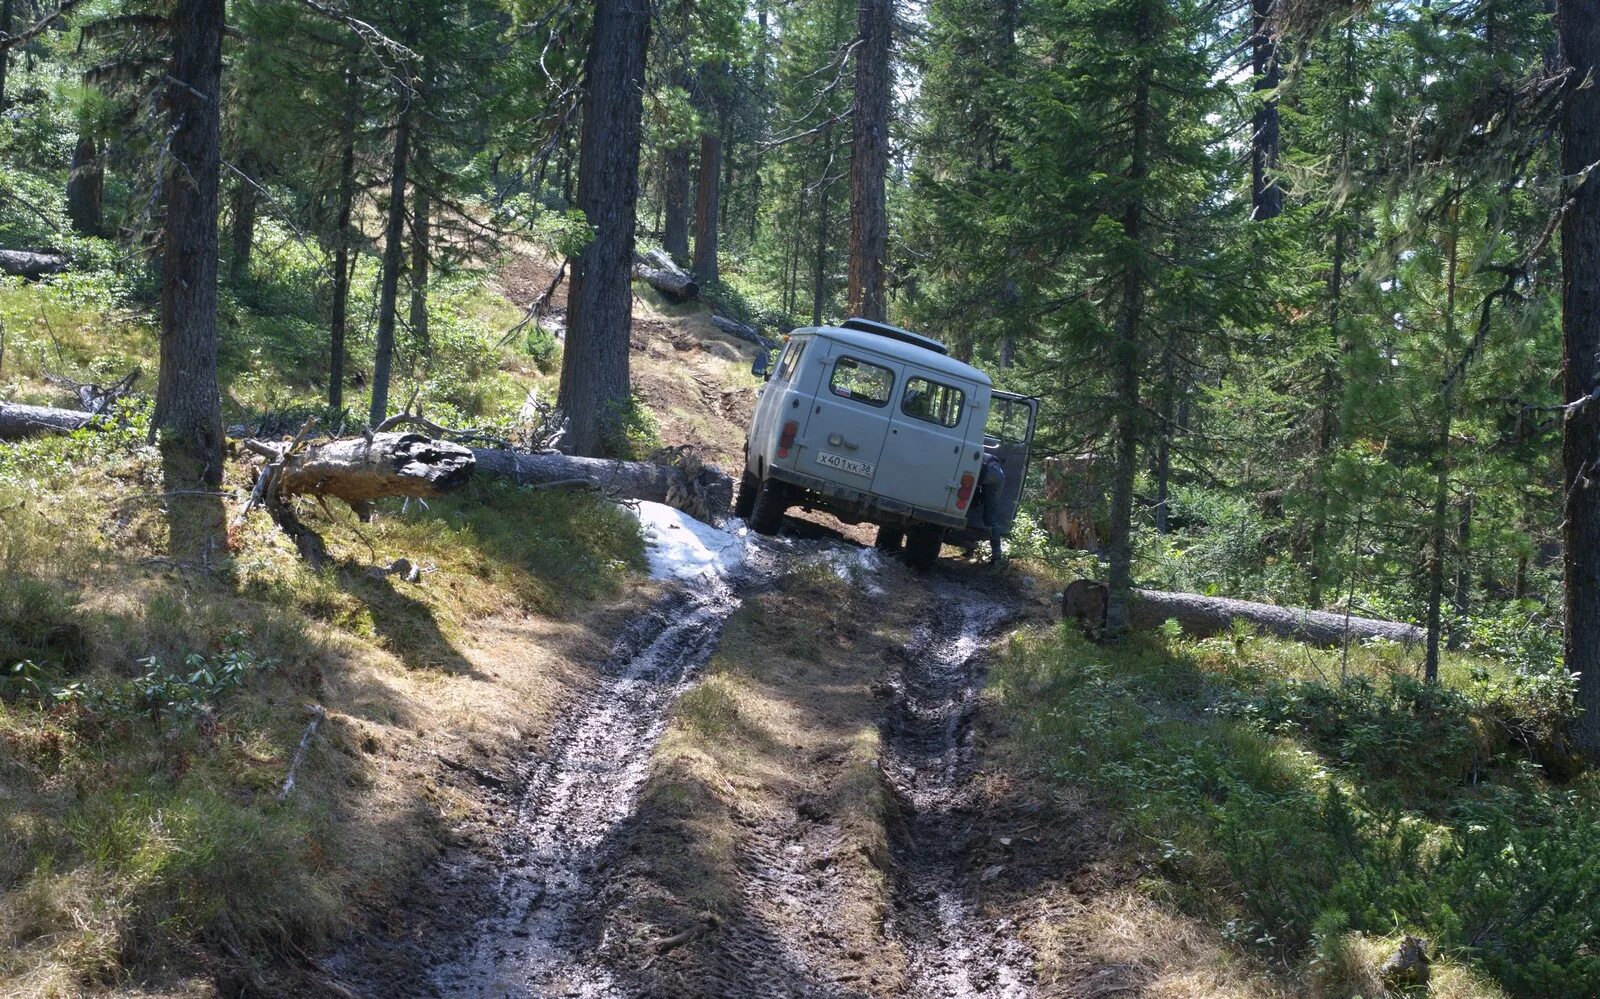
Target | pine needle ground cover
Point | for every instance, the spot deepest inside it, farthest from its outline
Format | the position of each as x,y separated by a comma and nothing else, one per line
1318,810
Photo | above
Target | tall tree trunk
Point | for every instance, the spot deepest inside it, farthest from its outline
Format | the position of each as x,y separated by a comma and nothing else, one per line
1169,392
594,365
869,162
763,47
188,408
1266,197
341,253
1441,489
819,274
393,261
1578,22
1127,353
243,233
86,185
421,208
707,209
5,57
675,230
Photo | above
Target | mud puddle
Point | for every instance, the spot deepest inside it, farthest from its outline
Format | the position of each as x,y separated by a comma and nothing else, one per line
954,951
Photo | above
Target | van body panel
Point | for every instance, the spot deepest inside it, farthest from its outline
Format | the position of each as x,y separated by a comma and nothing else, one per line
844,434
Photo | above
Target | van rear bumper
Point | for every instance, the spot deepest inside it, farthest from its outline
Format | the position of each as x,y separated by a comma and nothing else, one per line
855,504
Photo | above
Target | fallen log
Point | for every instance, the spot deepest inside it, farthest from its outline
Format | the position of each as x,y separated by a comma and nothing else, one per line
662,273
742,331
31,264
1202,617
18,421
705,491
361,469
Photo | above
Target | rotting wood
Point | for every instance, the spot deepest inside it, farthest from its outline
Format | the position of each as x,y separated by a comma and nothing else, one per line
1202,617
743,332
18,421
32,264
361,469
705,491
660,272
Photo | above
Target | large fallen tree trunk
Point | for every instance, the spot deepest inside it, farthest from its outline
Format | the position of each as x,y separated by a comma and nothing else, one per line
18,421
1202,617
705,491
660,272
31,264
359,470
742,331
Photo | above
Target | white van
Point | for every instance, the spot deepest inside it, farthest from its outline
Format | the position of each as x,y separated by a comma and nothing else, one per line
874,423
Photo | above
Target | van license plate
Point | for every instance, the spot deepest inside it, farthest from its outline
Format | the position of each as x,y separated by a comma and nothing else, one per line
862,468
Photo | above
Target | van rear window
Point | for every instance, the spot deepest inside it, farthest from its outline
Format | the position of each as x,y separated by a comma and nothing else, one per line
933,402
791,359
862,381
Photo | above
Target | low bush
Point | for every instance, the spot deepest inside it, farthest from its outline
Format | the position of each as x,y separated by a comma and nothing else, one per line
1272,803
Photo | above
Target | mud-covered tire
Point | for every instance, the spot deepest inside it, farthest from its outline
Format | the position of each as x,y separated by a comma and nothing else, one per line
922,546
890,539
744,500
771,503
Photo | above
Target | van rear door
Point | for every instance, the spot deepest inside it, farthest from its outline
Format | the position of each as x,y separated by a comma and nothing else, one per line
1009,436
926,438
850,417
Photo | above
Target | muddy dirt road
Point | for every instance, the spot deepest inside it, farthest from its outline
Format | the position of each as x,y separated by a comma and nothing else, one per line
516,910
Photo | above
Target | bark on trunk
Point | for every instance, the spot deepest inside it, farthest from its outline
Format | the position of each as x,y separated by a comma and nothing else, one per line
869,162
243,234
594,365
420,210
1266,197
708,199
659,271
31,264
742,331
1578,22
393,260
706,492
675,231
358,471
341,253
819,271
86,186
5,57
1202,617
1120,575
18,421
188,406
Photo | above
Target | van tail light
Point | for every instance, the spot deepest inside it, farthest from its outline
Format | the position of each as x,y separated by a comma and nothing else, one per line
964,494
786,439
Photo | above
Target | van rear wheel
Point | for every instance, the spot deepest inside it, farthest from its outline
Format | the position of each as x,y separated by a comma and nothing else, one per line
771,503
890,539
744,501
922,546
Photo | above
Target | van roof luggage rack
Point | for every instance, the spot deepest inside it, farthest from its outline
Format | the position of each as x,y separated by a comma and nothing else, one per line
894,333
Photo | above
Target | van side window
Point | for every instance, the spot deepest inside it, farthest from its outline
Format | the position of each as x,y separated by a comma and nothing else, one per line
933,402
791,360
862,381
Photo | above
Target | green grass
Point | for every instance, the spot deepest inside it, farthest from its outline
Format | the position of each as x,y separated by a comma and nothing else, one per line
1297,808
137,843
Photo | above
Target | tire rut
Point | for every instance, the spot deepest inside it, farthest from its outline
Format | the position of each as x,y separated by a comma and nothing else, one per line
954,951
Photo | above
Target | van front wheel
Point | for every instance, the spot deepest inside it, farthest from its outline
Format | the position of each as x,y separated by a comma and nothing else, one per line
922,546
744,501
771,503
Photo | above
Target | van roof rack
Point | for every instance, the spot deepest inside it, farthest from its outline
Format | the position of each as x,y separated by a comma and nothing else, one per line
894,333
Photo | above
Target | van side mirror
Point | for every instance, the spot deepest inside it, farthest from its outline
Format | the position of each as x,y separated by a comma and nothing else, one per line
762,366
